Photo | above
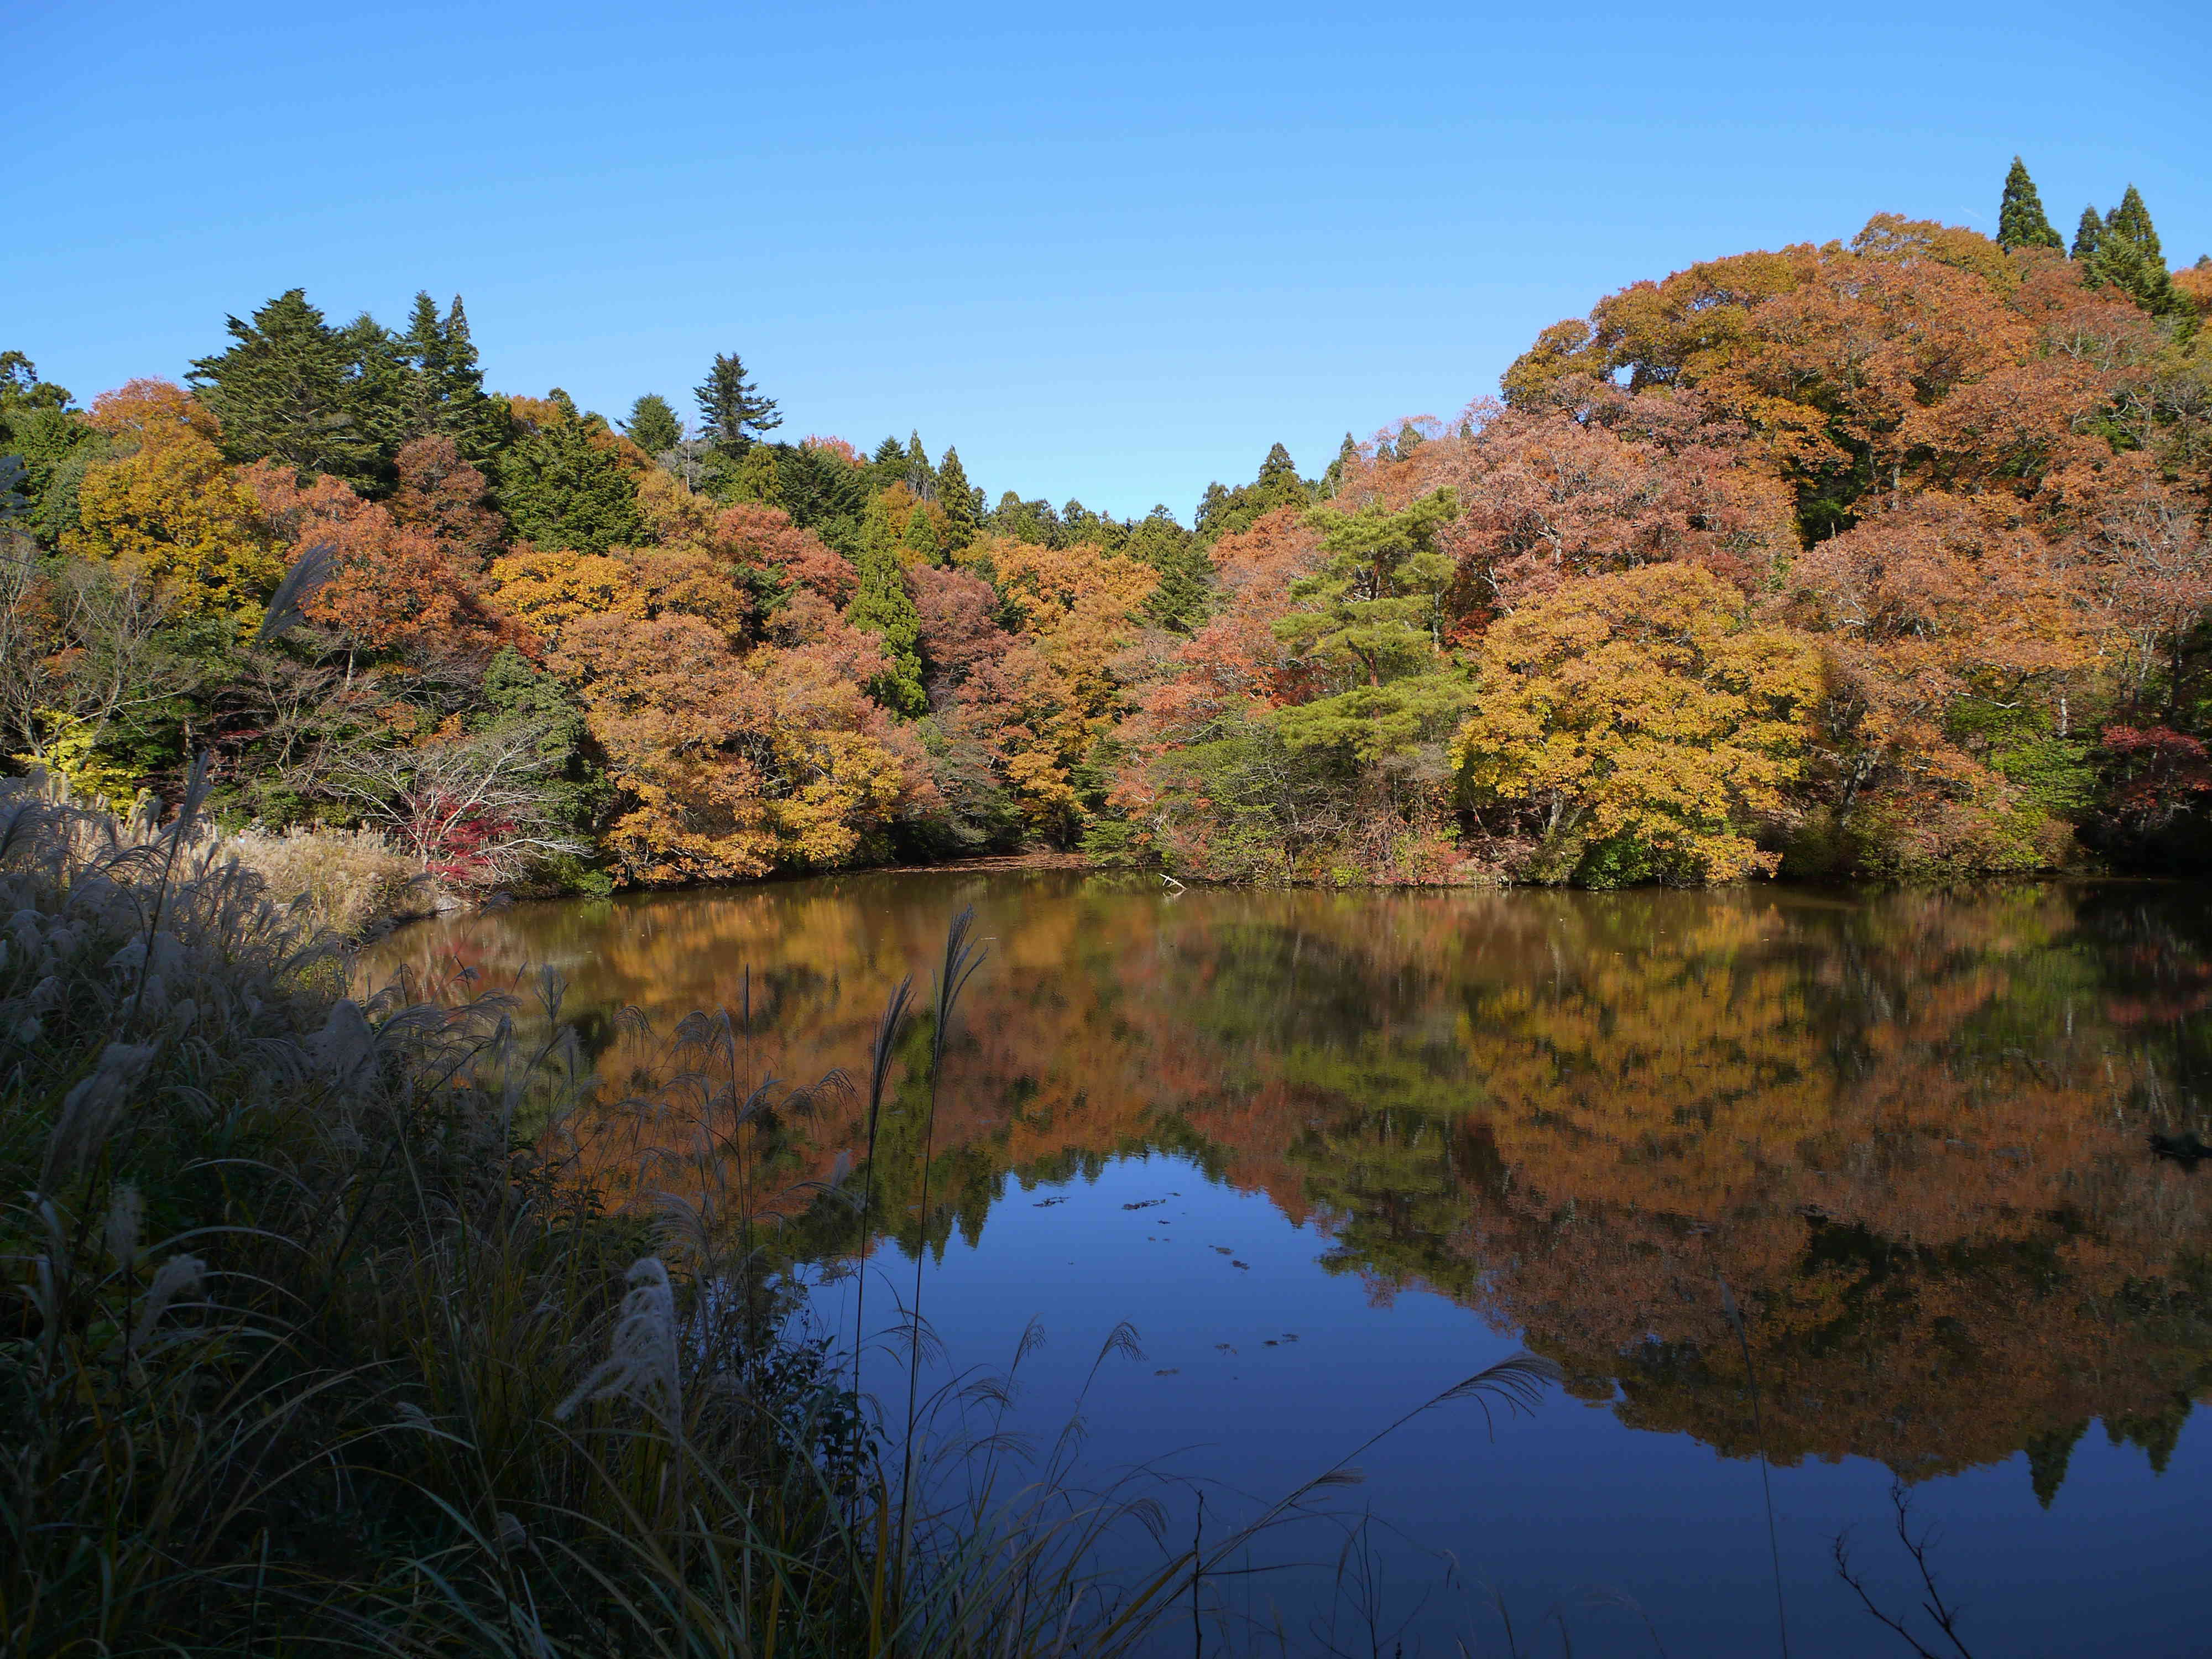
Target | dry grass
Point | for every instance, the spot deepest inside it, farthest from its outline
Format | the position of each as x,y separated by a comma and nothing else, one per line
346,882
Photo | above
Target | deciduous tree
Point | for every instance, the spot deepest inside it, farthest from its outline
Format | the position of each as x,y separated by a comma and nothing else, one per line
1641,725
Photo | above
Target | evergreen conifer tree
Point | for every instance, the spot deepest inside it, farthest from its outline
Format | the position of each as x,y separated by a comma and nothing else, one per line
962,502
423,344
1225,512
2021,221
755,478
476,420
289,389
2087,234
559,489
732,414
2131,220
40,430
2120,261
2048,1455
1185,593
653,426
921,538
822,493
882,605
425,381
1333,480
1374,609
921,476
887,465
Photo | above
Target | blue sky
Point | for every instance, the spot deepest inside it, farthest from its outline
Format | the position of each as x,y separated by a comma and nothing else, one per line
1112,253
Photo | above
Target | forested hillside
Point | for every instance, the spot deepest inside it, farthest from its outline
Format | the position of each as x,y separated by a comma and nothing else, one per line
1887,558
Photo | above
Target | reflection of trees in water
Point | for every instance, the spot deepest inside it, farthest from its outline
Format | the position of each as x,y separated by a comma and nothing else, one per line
1911,1133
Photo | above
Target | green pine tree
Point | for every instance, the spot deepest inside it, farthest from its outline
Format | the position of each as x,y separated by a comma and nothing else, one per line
962,502
2021,221
2087,234
653,426
732,414
559,489
289,389
1374,611
882,605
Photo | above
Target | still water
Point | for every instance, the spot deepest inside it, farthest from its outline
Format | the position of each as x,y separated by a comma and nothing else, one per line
1330,1153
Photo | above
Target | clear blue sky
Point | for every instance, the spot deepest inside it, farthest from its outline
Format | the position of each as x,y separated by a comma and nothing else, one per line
1111,252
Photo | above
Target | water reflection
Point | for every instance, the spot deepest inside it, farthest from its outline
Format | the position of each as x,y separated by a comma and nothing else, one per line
1938,1147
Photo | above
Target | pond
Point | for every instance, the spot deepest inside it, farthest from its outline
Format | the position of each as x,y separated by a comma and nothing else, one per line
1330,1153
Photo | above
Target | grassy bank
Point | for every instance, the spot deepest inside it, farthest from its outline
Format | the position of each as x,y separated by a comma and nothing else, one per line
309,1349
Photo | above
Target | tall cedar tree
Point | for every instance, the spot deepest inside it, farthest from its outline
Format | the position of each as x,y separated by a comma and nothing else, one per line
2087,234
2131,219
882,605
2127,256
1347,453
2021,221
653,426
289,389
732,414
921,476
1227,512
960,500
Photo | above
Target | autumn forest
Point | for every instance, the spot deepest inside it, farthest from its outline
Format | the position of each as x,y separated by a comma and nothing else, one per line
1880,558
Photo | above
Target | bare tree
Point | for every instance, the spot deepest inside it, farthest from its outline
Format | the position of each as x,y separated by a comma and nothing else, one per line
473,809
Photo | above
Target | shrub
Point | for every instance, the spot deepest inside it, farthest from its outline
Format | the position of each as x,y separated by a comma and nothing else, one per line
347,882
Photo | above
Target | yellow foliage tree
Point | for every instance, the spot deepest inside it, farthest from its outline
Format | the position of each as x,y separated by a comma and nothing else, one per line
545,587
1645,717
171,509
